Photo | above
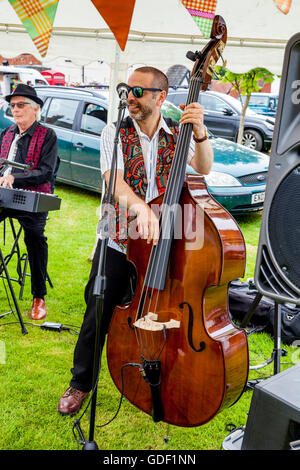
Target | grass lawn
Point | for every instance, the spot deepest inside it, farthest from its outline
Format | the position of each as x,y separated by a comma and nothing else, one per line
35,368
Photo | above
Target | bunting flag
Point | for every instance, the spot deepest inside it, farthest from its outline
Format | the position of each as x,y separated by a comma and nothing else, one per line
37,17
203,13
283,5
118,15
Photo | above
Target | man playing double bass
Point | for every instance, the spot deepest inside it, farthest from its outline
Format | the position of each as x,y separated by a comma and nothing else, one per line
146,147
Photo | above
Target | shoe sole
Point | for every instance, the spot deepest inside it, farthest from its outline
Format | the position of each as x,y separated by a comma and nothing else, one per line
67,414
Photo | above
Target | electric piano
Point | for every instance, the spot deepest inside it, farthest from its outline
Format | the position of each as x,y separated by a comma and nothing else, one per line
29,201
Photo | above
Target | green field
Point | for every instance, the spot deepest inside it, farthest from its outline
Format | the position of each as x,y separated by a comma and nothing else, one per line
35,368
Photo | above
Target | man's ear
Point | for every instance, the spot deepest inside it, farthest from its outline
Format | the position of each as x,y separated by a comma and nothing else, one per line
162,97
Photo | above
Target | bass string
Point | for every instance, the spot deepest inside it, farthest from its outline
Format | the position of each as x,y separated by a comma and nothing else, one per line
175,184
196,82
173,191
177,173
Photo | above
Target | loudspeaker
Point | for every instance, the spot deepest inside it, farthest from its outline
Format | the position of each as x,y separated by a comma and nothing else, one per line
274,417
277,270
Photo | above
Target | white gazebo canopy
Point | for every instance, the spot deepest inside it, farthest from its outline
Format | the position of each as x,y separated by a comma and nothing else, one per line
161,33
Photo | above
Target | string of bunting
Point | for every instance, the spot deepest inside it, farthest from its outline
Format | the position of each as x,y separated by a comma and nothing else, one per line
203,13
37,17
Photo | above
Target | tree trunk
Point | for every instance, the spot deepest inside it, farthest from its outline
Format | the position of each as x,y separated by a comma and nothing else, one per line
242,120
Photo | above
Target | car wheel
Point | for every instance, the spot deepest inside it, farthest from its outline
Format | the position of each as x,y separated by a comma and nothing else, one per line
252,139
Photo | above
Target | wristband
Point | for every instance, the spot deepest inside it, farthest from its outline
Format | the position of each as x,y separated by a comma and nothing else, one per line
198,141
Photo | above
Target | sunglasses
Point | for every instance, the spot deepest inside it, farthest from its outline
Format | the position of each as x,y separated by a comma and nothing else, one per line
19,105
138,91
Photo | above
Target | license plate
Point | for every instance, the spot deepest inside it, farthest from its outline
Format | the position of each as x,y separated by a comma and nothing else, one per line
257,197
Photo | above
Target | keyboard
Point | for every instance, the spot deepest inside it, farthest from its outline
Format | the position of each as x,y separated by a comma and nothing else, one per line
29,201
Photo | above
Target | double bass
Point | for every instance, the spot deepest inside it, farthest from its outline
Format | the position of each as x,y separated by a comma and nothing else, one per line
173,351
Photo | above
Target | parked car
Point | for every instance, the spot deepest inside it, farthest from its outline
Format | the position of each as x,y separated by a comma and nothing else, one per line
263,103
237,179
222,115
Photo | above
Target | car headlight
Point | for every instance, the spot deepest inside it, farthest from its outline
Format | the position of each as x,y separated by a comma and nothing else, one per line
215,178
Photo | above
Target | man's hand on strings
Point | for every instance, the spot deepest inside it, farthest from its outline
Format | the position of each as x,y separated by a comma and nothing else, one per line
194,114
147,223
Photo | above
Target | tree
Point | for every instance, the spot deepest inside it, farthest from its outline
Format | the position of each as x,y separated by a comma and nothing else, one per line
245,84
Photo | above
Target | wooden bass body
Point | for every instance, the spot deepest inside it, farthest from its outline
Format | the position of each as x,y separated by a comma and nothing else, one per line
203,356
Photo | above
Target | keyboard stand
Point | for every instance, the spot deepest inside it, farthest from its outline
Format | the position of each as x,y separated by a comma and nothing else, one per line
15,250
3,267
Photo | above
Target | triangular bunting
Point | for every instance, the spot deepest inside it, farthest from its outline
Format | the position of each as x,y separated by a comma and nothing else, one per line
283,5
37,17
203,13
118,15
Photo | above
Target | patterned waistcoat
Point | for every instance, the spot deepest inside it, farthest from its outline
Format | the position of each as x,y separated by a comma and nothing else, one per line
33,154
135,174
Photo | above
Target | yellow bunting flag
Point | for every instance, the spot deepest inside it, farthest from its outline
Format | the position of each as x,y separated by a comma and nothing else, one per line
203,13
37,17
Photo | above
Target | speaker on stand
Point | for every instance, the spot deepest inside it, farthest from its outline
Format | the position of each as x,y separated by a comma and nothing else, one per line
277,271
274,416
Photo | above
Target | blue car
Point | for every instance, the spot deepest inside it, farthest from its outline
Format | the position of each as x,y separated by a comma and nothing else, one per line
237,179
263,103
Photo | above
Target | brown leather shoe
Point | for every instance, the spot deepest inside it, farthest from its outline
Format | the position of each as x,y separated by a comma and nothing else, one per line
71,401
38,310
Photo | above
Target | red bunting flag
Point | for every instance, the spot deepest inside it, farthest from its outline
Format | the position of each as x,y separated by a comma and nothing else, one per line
118,15
283,5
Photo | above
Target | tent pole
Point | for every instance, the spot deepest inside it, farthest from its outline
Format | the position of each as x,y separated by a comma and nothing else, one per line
114,72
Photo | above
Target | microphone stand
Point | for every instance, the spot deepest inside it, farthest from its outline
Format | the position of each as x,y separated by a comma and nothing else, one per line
99,286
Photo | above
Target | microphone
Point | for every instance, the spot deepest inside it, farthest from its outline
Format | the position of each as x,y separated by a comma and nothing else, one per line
122,90
22,166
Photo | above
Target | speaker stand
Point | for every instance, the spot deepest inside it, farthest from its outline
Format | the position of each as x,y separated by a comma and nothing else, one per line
277,351
251,310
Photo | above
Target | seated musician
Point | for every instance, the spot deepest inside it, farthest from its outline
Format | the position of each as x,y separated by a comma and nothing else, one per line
28,142
145,138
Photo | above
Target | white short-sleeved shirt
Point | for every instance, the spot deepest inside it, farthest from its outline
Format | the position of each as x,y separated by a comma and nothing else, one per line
149,150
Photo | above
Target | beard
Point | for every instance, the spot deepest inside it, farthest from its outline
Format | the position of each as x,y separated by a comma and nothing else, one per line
141,112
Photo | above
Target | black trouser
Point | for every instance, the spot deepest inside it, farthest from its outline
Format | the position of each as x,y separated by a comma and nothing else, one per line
118,273
33,225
